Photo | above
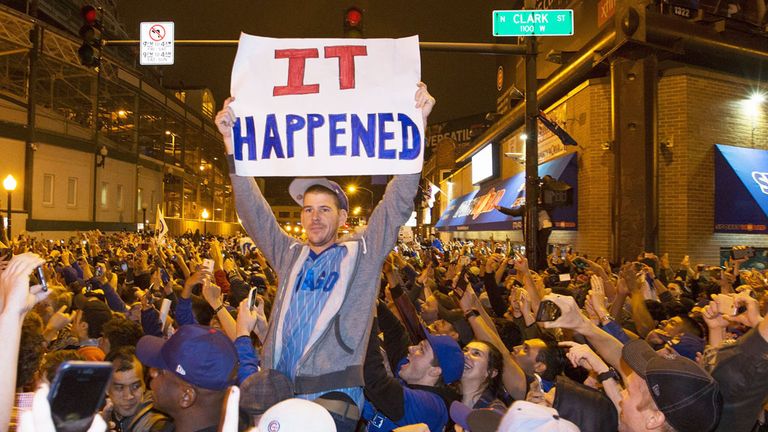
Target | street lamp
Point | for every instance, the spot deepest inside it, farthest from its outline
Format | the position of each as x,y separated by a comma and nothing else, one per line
101,157
353,188
205,216
9,184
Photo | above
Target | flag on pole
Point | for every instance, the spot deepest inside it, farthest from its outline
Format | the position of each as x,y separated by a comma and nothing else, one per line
433,190
161,228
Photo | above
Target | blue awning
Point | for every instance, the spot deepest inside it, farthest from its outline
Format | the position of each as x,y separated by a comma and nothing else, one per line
741,190
474,211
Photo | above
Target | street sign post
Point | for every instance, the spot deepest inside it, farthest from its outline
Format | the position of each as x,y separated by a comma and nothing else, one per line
555,22
156,43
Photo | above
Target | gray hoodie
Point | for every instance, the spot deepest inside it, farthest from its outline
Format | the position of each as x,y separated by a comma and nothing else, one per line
334,355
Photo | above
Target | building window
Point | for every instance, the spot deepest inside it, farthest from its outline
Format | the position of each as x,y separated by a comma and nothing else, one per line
283,214
119,197
48,189
104,189
209,104
72,192
297,214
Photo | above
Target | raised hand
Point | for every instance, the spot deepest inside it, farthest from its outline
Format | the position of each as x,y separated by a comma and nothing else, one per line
211,293
596,296
424,101
582,355
17,296
570,314
225,119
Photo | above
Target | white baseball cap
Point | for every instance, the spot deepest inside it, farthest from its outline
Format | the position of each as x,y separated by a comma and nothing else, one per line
531,417
296,415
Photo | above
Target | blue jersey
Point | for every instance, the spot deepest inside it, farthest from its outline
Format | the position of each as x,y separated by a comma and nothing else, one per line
314,283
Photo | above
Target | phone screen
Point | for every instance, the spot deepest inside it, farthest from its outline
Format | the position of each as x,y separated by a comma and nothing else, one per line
77,392
548,311
164,276
252,300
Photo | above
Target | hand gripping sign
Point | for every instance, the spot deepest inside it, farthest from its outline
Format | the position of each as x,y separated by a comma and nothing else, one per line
316,107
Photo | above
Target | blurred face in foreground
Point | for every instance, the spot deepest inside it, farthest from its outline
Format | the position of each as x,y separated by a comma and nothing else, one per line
638,411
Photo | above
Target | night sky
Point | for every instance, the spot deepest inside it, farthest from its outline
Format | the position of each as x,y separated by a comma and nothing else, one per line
463,84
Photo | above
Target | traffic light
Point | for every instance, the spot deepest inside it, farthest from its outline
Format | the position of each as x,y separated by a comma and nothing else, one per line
353,23
90,32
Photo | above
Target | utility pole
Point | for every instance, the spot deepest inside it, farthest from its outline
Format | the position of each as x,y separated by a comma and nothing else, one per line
531,151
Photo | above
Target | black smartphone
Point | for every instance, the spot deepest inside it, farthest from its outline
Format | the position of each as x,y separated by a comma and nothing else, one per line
548,311
77,393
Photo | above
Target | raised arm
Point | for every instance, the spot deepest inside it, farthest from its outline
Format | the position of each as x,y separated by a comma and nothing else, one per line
253,209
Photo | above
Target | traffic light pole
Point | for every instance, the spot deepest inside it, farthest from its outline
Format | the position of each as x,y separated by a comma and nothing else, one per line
531,217
478,48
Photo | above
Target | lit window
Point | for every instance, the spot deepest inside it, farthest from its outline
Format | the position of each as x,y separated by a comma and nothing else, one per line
104,189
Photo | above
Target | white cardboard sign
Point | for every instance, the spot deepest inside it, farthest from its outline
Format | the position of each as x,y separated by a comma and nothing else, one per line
317,107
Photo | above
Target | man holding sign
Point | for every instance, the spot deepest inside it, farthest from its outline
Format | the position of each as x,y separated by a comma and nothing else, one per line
324,107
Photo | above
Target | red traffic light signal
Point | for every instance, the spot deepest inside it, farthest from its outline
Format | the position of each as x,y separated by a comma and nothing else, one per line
88,13
353,23
90,32
353,17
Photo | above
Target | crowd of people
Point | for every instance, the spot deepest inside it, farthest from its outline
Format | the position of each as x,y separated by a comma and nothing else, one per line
366,332
465,336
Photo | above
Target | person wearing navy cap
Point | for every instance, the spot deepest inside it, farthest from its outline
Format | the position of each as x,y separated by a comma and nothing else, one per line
191,373
420,393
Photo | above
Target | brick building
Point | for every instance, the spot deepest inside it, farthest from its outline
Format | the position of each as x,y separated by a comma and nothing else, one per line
646,123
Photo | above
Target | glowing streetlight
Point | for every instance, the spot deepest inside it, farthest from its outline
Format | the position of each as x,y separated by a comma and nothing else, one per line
353,188
9,184
357,210
205,216
752,106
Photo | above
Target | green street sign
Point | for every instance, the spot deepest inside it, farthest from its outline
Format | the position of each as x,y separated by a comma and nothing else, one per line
545,22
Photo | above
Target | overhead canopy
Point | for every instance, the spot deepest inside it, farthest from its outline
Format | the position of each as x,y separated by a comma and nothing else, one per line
475,211
741,190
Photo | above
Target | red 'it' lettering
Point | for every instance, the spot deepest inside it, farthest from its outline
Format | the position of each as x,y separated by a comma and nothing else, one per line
346,55
296,64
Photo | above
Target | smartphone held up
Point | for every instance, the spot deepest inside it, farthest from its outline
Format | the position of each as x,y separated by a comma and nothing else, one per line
77,393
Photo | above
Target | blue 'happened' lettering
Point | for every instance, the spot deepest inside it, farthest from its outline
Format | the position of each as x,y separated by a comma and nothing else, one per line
385,136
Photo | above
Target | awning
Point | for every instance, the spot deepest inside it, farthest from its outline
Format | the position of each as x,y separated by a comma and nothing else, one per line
741,190
474,211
